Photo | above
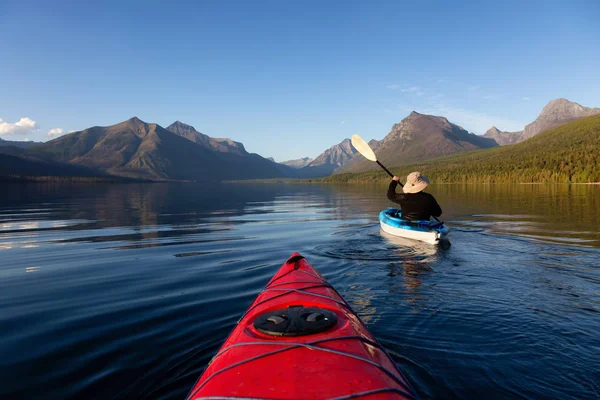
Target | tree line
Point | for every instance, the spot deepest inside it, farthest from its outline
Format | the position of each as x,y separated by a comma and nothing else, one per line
569,153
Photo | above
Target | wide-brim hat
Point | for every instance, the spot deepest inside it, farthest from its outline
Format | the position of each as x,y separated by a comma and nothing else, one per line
415,182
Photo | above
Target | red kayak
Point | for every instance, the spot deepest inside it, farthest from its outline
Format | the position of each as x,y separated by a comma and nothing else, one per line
301,340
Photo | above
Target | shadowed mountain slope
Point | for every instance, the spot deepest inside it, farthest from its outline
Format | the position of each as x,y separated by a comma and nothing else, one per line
137,149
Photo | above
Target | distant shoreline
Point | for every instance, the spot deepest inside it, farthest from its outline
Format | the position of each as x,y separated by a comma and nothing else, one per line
319,181
277,181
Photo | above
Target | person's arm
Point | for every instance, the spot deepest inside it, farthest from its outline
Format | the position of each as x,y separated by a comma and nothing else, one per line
391,194
436,210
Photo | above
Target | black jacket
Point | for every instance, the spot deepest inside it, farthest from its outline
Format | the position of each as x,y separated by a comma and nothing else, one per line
415,206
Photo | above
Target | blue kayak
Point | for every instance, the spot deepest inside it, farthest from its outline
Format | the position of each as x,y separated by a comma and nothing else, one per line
426,231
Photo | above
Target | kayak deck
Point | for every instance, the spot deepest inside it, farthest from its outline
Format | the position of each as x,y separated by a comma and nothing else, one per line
339,359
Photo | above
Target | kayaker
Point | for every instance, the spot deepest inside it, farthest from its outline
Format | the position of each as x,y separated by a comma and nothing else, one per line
415,204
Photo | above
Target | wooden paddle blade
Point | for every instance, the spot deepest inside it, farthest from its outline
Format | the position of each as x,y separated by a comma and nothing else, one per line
363,148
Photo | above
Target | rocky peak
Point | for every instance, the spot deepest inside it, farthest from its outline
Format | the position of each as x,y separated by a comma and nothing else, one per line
223,145
298,163
555,113
337,155
503,138
135,125
346,146
561,104
181,126
227,145
415,126
135,122
189,132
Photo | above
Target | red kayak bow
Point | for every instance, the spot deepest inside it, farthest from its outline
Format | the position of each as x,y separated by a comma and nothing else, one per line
301,340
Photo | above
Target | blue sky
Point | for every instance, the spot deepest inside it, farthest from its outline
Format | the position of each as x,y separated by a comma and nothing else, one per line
290,79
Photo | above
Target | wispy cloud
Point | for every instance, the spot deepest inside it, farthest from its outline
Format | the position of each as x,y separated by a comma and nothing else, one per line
432,101
525,98
342,122
417,90
55,132
474,121
23,127
412,89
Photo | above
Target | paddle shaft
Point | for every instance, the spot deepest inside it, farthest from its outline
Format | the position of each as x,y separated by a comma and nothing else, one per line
386,170
400,183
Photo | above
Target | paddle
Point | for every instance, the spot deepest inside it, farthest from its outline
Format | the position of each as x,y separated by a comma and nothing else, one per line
367,152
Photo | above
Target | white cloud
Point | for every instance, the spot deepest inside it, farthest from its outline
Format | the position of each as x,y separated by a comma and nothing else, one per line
55,132
411,89
393,86
474,121
23,127
342,122
525,98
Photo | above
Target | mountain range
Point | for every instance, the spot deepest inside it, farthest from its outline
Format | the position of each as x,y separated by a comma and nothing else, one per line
17,143
139,150
503,138
419,137
329,161
136,149
569,153
555,113
298,163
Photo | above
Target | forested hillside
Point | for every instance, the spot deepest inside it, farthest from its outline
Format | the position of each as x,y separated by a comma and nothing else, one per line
569,153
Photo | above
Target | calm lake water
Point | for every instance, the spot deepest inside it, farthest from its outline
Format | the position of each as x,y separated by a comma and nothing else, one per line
126,291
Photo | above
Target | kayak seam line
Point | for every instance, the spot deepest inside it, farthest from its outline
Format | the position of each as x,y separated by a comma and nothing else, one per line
398,376
412,390
294,270
292,283
351,396
301,291
370,392
232,397
343,302
312,346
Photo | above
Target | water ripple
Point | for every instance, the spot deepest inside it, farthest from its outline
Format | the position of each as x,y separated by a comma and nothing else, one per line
126,291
